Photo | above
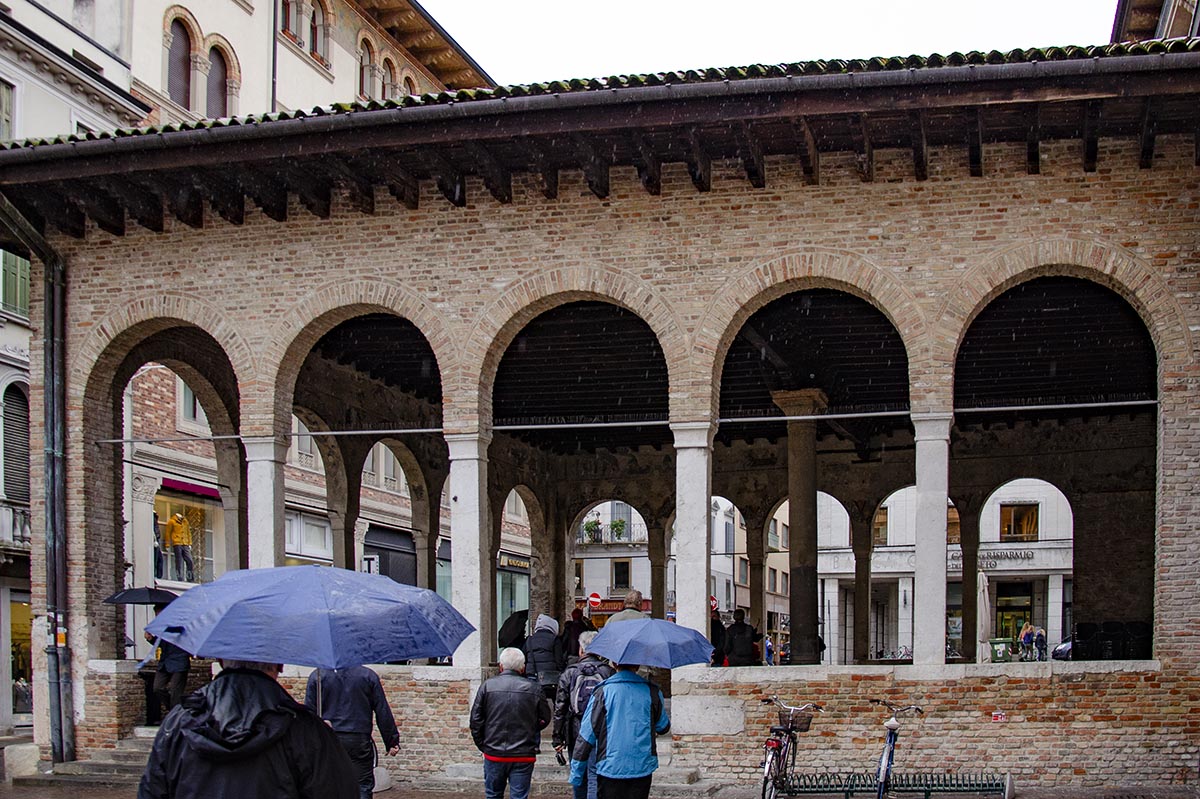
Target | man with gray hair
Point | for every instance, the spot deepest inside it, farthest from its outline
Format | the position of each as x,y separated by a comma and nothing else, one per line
575,688
506,720
633,607
243,737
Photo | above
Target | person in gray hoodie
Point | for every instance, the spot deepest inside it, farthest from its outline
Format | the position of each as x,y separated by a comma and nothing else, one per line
242,736
544,658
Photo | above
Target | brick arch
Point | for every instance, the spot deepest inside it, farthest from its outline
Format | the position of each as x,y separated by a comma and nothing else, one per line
232,66
1104,264
303,325
186,18
744,294
112,337
520,303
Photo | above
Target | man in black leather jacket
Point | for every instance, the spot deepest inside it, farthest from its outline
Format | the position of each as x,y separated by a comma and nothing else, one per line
508,713
243,737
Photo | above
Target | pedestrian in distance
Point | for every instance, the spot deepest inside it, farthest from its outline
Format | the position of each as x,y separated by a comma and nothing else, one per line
740,640
575,688
1025,639
619,725
632,607
347,699
716,637
576,627
506,720
174,664
1039,643
544,658
243,737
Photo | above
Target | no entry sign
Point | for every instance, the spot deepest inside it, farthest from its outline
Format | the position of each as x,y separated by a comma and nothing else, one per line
593,600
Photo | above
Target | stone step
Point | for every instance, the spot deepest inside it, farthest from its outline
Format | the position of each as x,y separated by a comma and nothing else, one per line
104,768
145,732
119,755
136,744
65,780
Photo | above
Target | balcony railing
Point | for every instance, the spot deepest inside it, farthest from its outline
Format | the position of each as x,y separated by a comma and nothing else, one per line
603,534
14,524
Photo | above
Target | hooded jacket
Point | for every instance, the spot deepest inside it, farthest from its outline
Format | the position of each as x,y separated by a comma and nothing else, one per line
544,659
620,723
243,737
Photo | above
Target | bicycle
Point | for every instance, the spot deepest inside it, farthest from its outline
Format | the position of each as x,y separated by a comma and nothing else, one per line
779,750
883,774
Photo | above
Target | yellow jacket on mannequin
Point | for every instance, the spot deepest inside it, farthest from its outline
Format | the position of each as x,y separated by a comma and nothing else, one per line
178,532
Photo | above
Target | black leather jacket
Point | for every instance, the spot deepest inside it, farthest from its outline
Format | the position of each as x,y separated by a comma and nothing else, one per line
509,711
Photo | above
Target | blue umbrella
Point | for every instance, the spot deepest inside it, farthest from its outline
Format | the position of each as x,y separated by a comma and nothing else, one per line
311,616
651,642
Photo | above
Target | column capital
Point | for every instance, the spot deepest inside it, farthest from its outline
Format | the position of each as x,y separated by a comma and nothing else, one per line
801,402
690,435
266,448
932,426
468,446
144,487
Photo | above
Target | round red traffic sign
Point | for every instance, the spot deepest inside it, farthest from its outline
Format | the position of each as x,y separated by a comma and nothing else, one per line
593,600
712,602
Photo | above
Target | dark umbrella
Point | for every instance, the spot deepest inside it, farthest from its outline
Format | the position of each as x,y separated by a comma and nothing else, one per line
512,632
142,596
651,642
311,616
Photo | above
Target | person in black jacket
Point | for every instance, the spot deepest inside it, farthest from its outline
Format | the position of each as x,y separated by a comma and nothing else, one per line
346,699
739,641
243,737
506,720
544,659
716,637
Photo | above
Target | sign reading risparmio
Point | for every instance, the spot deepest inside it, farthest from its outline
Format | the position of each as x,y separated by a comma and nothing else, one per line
991,559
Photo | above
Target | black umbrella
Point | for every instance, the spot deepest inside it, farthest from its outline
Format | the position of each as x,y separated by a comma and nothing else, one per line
512,632
142,596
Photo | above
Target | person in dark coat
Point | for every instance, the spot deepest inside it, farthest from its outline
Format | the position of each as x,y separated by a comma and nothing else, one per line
544,659
575,688
243,737
347,699
741,640
174,664
716,637
570,635
506,723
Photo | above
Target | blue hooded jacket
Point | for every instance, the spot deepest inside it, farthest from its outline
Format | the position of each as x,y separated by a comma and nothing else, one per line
617,724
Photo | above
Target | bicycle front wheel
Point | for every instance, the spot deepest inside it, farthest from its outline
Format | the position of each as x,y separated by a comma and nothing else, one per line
772,771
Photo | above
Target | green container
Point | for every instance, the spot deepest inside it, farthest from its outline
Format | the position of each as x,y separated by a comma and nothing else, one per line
1001,649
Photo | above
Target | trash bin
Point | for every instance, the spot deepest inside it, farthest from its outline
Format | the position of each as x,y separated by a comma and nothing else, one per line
1001,649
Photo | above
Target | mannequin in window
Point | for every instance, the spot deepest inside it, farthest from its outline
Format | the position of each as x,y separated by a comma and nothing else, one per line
178,536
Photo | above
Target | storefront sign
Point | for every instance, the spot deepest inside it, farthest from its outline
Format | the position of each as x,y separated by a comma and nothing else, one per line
991,559
513,563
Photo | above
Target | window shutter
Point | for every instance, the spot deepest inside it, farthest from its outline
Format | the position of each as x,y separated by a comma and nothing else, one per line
16,445
217,80
179,66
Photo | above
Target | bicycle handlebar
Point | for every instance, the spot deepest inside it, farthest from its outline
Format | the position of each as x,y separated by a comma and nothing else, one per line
774,700
897,709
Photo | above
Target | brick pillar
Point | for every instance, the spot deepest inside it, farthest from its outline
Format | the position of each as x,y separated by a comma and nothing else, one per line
264,500
693,492
473,556
929,604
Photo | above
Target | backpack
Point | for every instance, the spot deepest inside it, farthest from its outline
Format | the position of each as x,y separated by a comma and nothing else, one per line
739,641
584,685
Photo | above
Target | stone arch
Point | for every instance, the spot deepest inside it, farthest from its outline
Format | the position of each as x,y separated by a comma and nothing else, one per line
1107,265
507,315
232,65
185,18
744,294
303,325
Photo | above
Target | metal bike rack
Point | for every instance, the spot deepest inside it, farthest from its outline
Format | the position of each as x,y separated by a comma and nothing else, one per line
926,784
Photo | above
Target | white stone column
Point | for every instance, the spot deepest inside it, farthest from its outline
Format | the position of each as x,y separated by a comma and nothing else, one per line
693,490
904,612
933,476
833,621
264,501
140,552
360,541
471,569
1054,610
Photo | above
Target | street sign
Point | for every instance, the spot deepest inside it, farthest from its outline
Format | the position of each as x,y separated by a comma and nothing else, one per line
593,600
712,602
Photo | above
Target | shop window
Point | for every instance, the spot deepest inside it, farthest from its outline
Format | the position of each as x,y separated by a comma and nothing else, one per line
6,110
190,417
179,66
309,539
197,523
1019,522
743,571
217,99
773,536
620,576
773,581
14,295
879,528
953,526
20,631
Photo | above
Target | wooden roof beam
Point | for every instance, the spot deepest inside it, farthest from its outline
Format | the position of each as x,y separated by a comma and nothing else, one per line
547,172
225,197
1033,141
183,199
596,167
806,149
699,162
312,187
270,195
1090,127
1149,130
449,179
403,185
41,207
750,150
496,176
863,149
975,143
358,184
920,144
106,212
649,165
145,206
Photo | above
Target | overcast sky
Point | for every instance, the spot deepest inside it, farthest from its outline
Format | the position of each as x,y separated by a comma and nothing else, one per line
526,41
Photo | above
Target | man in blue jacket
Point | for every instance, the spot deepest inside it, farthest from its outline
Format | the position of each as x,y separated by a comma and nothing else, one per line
347,699
622,719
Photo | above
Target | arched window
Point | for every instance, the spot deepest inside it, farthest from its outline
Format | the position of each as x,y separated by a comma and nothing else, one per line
366,62
409,86
16,445
316,31
218,82
179,66
389,79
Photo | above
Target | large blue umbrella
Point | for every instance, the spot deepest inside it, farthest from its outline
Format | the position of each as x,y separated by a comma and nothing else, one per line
651,642
311,616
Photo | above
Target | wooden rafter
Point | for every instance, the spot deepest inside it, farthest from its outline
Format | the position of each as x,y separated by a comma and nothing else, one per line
359,186
1149,129
1090,133
270,195
920,144
144,205
806,149
449,178
106,212
975,142
595,166
649,166
751,152
1033,141
546,170
225,197
183,199
496,176
863,149
403,185
699,163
